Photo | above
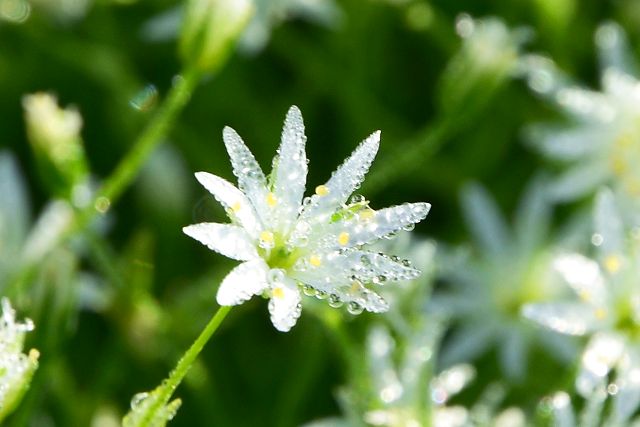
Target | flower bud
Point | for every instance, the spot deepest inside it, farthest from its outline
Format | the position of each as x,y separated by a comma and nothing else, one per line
54,134
210,29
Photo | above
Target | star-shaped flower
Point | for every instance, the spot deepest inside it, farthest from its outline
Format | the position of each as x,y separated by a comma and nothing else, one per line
600,145
606,308
290,244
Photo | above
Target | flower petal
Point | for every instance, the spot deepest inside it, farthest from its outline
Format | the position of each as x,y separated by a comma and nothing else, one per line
229,240
285,305
233,200
579,180
290,170
251,179
483,218
243,282
602,353
344,180
584,277
627,399
571,318
385,222
608,223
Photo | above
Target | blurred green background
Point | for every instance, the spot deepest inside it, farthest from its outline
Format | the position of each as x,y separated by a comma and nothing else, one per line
352,66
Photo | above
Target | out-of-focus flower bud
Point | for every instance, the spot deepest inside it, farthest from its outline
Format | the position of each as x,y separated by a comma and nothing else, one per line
16,368
210,30
54,134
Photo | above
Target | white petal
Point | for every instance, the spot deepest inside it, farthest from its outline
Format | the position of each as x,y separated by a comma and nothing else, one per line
233,200
370,266
468,342
484,220
579,180
584,277
285,305
513,353
586,105
344,180
243,282
14,207
562,410
533,216
569,144
291,170
571,318
613,49
627,399
601,354
229,240
251,179
351,233
608,224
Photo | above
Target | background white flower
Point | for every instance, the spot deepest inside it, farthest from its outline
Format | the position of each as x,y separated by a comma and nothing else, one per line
507,268
290,243
601,142
607,308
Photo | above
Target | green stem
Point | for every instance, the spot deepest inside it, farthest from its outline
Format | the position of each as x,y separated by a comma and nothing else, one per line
126,171
184,364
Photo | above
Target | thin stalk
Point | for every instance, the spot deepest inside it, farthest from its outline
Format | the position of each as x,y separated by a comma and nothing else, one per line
125,172
184,364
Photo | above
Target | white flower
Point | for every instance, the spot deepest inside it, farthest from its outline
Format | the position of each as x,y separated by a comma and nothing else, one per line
508,268
606,307
601,145
289,243
16,368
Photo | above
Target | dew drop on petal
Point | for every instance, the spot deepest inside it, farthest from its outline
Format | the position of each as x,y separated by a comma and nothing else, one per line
335,301
354,308
309,291
320,294
597,239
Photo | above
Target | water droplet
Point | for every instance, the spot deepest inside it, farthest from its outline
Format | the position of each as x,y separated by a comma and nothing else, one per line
597,239
146,99
357,199
409,227
354,308
309,291
334,301
406,263
102,204
138,399
321,294
275,275
612,389
381,279
16,11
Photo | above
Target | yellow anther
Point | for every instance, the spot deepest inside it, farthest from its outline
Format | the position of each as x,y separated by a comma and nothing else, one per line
236,206
277,293
612,263
271,199
585,295
600,313
315,260
343,238
322,190
355,287
366,214
266,237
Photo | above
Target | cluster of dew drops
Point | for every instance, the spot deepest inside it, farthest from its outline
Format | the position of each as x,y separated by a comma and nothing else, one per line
365,272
